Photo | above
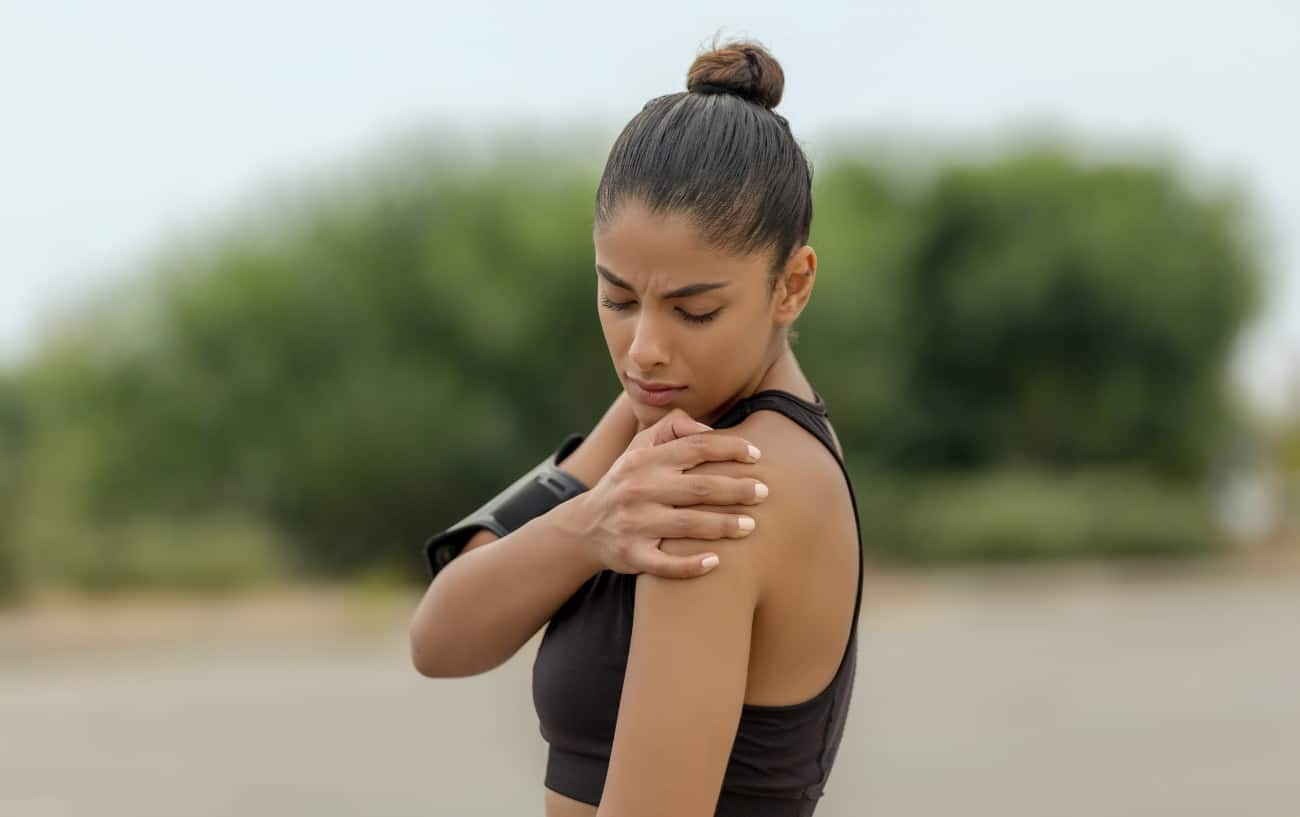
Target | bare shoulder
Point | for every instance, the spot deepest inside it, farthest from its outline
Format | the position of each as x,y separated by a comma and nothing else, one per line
791,456
800,474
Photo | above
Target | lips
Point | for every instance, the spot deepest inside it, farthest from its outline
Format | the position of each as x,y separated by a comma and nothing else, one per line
653,394
655,386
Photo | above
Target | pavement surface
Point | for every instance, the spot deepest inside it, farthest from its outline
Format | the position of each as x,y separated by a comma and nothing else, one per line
1101,690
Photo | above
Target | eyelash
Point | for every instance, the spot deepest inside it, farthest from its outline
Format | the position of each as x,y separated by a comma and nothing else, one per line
618,307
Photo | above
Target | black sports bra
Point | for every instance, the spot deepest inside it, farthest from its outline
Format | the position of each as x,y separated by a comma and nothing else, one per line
782,755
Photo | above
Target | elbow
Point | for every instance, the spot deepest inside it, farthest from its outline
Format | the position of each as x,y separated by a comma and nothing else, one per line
424,656
427,653
433,662
437,652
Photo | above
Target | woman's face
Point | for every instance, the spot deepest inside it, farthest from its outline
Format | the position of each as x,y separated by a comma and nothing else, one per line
676,312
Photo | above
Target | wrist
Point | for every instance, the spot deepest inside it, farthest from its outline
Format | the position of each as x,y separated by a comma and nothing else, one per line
571,521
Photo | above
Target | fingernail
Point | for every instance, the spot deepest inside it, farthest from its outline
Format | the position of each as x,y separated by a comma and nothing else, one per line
709,561
760,490
746,522
754,452
702,426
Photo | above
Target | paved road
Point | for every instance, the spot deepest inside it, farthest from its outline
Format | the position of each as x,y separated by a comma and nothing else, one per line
1100,691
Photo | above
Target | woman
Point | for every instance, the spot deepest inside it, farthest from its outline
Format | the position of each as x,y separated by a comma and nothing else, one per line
671,684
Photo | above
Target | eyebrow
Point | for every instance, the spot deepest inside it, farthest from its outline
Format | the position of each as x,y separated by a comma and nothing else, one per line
681,292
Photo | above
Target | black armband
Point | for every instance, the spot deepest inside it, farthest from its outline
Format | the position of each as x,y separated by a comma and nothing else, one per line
528,497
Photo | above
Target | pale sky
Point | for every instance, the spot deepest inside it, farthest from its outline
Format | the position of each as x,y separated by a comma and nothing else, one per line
123,122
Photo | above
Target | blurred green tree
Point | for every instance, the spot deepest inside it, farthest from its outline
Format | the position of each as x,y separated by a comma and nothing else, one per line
353,362
14,436
359,362
1060,314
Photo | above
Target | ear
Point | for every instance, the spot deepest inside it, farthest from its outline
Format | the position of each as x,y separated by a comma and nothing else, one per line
795,286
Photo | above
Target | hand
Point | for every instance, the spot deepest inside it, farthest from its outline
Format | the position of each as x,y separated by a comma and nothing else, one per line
639,501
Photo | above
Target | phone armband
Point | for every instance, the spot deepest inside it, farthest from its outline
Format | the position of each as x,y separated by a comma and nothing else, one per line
531,495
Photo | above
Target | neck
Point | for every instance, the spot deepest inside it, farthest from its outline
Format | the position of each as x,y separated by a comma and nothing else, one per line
780,372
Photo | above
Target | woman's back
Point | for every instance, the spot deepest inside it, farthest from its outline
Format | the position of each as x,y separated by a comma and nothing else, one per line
802,653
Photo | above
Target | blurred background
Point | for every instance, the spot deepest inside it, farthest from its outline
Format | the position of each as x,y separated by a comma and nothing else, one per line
285,289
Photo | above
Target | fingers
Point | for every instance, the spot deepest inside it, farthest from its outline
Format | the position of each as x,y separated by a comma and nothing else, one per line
688,524
697,443
675,425
710,447
712,489
685,523
678,567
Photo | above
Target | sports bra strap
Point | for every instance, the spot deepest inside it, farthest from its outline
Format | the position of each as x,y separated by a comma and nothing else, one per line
812,416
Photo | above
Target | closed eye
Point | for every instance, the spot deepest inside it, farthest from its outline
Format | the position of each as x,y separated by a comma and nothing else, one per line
690,317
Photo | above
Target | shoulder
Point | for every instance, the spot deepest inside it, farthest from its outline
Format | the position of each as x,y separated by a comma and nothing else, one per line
799,472
790,454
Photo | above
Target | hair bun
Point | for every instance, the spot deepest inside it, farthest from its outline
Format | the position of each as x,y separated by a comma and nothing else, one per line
744,68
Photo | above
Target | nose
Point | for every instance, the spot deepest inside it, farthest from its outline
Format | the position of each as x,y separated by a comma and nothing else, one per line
648,351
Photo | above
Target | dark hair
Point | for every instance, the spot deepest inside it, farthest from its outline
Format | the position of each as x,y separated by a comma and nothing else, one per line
718,154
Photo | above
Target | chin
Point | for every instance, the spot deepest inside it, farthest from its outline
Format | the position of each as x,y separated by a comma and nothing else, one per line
649,415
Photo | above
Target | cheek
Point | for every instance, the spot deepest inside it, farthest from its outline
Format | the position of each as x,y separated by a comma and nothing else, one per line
737,343
617,334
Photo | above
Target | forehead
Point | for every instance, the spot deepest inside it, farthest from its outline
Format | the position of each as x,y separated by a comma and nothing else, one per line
636,243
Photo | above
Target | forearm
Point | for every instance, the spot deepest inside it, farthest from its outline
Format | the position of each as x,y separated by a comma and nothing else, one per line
486,603
473,620
593,457
611,436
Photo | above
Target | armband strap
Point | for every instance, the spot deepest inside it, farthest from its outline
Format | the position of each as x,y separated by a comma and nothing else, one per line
528,497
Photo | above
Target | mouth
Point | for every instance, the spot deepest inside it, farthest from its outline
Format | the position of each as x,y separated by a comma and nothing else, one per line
648,385
654,394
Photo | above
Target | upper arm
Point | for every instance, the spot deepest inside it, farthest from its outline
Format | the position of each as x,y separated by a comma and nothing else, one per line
688,667
683,689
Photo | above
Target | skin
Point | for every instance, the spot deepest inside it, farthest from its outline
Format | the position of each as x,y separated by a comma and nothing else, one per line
743,348
738,635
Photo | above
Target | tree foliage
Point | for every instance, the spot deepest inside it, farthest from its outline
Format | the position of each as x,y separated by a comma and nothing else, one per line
359,363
